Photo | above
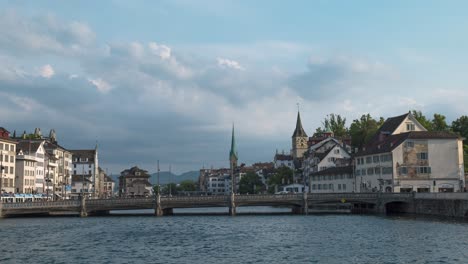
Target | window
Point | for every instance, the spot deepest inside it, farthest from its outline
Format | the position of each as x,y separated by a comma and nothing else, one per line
325,186
331,159
89,166
424,170
377,170
376,159
6,147
403,170
89,172
370,171
358,161
313,186
12,170
410,127
422,156
12,159
368,160
339,186
363,172
344,187
387,170
12,147
319,186
358,172
336,151
409,144
330,186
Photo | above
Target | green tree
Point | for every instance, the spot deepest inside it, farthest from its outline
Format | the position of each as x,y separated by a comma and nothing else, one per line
460,126
363,129
250,183
283,175
335,124
439,123
187,186
170,188
422,119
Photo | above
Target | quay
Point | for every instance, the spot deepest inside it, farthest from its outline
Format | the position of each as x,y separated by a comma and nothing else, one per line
434,204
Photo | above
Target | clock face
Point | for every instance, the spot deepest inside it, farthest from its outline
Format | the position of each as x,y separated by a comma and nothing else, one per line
302,142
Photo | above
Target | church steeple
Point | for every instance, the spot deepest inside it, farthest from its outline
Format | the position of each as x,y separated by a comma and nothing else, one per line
233,152
299,131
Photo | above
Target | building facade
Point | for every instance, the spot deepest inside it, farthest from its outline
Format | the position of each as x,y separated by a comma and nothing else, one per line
86,164
7,162
134,182
405,157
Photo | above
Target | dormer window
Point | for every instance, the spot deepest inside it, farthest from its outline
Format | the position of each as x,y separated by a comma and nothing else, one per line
410,127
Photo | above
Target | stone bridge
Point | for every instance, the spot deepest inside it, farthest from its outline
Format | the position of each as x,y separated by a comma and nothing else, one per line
449,204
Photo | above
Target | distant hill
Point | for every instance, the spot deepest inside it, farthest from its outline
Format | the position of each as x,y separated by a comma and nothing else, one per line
166,177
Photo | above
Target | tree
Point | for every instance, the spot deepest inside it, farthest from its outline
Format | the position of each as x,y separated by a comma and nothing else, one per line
250,183
363,129
187,186
170,188
422,119
460,126
283,175
439,123
335,124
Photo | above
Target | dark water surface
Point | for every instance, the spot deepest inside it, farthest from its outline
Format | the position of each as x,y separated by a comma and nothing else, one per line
240,239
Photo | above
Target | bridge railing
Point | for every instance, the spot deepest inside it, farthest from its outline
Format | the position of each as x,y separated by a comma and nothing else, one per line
263,197
442,196
48,204
195,198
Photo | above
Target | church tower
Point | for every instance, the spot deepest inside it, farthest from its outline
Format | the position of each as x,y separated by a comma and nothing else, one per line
299,139
233,161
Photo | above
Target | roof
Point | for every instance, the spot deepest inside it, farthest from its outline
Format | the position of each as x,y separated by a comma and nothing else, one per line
233,151
392,123
321,156
132,172
299,131
393,141
335,171
283,157
28,146
108,179
84,153
135,182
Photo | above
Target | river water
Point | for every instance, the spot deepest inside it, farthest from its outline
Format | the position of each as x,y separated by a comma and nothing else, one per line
240,239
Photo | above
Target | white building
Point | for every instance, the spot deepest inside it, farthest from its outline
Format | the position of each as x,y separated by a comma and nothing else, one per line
7,162
283,160
404,157
333,180
86,162
30,168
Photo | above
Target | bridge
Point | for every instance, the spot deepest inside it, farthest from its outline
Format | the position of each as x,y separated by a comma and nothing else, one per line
449,204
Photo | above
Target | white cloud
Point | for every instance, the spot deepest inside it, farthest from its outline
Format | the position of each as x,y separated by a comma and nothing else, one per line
162,51
46,71
101,85
226,63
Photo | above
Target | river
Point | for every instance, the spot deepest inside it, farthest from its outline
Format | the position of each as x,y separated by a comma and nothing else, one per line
241,239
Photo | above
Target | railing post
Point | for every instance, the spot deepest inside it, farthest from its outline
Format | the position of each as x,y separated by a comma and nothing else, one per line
232,204
83,212
158,209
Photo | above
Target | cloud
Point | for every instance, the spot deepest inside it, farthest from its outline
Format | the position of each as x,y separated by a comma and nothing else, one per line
162,51
30,35
101,85
46,71
226,63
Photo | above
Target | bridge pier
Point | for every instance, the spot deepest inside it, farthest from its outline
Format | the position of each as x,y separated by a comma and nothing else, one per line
83,212
232,205
305,205
158,209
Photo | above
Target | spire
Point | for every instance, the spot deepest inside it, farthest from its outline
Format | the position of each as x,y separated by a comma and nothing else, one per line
299,131
233,152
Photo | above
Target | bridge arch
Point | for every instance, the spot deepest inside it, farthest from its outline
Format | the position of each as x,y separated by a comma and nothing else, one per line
397,207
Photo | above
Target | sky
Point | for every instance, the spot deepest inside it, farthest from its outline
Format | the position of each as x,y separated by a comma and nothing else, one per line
166,80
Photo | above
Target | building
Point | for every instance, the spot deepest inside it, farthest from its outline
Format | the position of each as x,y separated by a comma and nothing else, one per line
134,182
86,164
108,187
80,186
333,180
404,157
233,158
282,159
299,140
7,162
30,170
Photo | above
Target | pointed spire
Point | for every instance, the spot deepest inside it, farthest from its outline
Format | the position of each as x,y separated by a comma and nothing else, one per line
299,131
233,152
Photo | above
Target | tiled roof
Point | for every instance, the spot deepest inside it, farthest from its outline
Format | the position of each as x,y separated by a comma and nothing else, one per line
393,141
335,171
83,153
28,146
283,157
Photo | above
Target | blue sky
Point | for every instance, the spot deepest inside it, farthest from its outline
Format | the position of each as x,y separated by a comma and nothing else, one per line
165,80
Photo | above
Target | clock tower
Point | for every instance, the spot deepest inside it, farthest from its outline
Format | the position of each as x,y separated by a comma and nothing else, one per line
299,139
